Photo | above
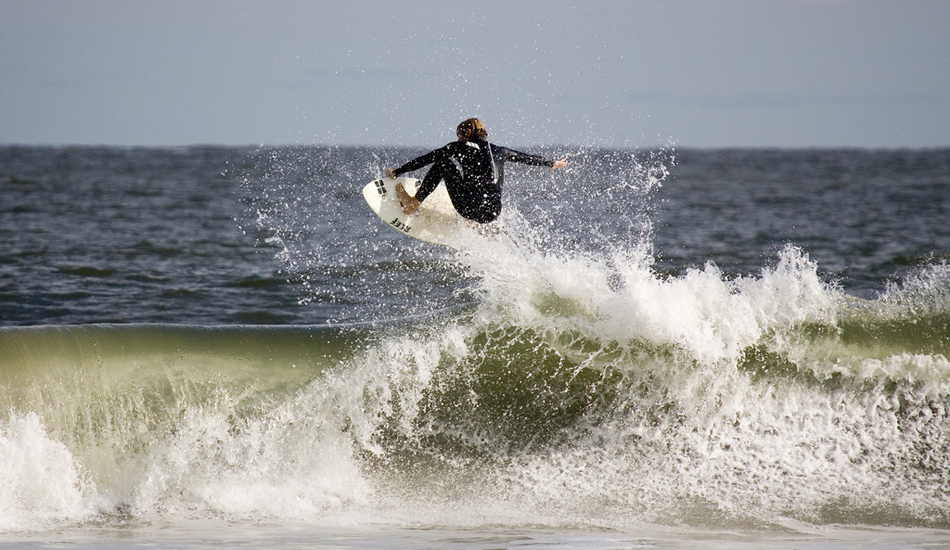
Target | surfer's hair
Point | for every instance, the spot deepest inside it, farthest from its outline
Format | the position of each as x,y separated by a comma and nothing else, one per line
474,127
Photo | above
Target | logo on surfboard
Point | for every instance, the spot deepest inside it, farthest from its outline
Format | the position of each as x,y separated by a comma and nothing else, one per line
404,227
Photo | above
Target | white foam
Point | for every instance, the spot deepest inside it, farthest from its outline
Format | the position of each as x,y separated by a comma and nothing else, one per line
698,436
708,432
621,299
294,464
40,484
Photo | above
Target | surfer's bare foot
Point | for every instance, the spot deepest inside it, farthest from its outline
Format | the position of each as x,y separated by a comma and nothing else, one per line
408,202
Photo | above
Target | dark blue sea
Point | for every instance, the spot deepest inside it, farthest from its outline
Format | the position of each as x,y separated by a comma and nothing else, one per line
223,347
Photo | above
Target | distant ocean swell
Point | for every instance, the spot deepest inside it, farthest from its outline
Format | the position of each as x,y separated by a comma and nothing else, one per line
570,391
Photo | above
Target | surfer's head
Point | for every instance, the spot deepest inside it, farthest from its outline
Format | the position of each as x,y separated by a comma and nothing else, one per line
471,128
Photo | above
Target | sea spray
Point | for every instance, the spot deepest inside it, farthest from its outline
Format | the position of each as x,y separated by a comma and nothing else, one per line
703,412
40,481
293,463
601,395
568,376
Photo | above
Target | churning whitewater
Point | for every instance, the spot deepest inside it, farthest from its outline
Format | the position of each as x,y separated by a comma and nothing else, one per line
549,377
572,392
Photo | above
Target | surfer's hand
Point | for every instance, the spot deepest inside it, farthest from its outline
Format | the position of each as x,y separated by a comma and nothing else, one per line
409,203
559,164
388,172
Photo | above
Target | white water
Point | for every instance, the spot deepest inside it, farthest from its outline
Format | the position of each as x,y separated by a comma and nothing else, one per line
697,430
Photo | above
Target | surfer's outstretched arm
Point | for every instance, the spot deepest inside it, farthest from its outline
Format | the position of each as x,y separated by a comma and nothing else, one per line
524,158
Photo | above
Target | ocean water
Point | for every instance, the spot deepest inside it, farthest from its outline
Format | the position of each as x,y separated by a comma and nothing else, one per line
222,347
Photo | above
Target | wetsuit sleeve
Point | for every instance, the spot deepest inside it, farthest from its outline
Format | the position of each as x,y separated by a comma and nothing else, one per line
524,158
419,162
431,181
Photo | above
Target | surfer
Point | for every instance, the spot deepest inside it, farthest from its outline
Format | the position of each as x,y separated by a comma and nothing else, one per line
473,172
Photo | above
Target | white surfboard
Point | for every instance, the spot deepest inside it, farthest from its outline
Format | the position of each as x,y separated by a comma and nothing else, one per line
436,220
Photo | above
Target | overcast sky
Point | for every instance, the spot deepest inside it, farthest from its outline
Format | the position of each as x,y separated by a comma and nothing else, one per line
703,73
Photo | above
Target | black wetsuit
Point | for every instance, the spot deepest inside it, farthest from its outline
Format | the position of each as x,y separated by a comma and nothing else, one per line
473,172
